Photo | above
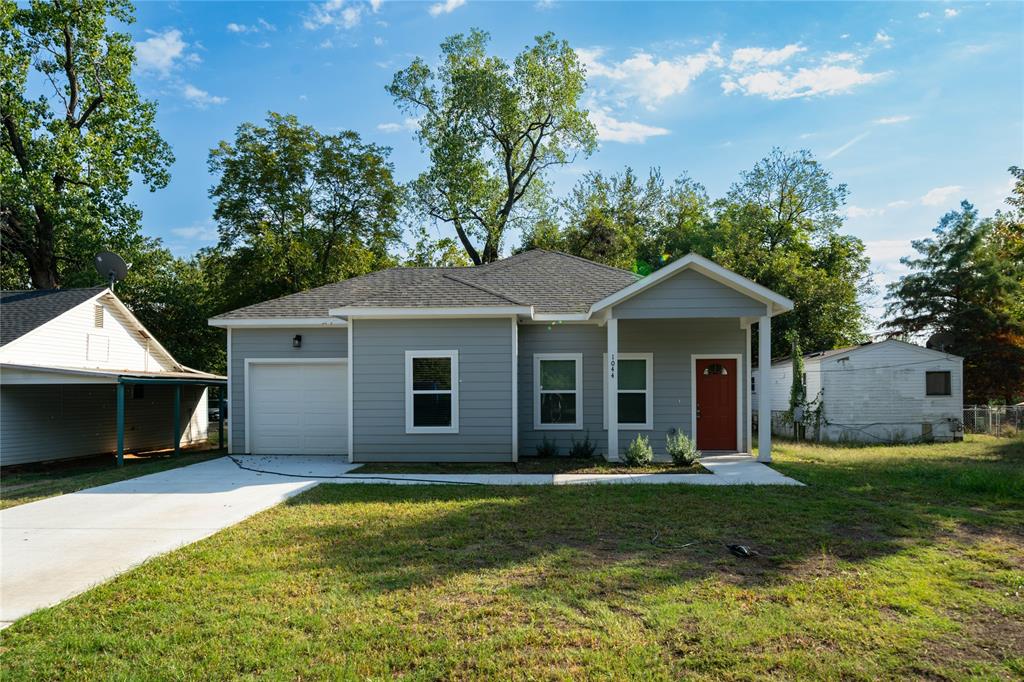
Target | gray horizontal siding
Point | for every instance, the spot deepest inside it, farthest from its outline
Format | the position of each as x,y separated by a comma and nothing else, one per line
671,341
688,294
485,390
60,421
326,342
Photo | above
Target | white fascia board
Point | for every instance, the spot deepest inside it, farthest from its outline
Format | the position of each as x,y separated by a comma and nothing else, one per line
270,322
414,313
145,332
563,317
708,268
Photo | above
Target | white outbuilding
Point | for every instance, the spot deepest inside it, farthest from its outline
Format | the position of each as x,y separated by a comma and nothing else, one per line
80,375
883,392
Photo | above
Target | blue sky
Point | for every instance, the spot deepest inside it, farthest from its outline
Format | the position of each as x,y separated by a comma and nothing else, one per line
914,105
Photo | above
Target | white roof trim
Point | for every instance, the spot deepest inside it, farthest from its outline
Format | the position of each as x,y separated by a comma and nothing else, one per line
114,373
267,322
778,303
385,313
119,304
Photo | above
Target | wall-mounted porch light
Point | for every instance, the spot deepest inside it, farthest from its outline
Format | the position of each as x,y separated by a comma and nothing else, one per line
297,341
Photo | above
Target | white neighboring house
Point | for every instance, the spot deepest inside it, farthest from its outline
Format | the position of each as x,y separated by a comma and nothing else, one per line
889,391
64,353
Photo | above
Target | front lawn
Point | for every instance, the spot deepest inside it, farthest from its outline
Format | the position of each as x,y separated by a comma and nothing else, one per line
31,482
894,563
528,465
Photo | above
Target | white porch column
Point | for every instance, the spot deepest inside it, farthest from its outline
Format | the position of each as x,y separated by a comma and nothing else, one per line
612,391
764,408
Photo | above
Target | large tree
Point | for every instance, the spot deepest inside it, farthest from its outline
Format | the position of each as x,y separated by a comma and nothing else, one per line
75,133
962,283
297,208
492,129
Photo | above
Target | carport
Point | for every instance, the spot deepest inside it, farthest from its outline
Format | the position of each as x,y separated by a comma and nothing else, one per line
93,415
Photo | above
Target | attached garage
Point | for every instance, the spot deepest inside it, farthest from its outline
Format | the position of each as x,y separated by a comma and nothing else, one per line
296,407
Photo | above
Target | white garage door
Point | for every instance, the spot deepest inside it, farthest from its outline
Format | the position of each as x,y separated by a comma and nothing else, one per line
298,409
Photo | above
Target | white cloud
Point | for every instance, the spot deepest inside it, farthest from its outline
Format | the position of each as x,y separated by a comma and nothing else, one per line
751,57
199,231
806,82
378,41
446,7
842,148
647,78
260,25
950,13
839,57
610,129
883,38
940,195
201,98
860,212
924,15
890,120
326,44
161,52
407,124
336,13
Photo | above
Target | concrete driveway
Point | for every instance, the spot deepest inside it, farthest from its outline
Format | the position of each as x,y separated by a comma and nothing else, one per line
56,548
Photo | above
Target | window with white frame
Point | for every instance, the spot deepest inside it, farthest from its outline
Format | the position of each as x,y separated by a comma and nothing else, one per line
635,377
432,391
558,391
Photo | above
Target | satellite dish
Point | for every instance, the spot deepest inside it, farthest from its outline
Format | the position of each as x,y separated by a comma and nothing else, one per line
940,341
111,266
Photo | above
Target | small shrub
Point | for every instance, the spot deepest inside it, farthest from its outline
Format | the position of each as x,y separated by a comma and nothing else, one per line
583,449
639,453
683,451
547,448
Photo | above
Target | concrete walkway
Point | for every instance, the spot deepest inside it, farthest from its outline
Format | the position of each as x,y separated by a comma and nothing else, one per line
56,548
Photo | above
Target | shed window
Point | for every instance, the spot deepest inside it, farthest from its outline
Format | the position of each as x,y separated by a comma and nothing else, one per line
635,378
558,390
715,369
432,391
938,383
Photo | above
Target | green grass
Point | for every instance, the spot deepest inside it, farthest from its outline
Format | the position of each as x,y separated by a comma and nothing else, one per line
894,563
527,465
31,482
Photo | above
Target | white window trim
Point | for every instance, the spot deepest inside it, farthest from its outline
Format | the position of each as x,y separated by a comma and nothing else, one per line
649,424
578,358
454,356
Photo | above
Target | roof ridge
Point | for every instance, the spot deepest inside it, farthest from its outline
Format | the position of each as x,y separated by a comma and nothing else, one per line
481,287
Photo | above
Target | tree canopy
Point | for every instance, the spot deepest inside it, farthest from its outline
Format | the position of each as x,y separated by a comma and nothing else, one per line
68,152
297,208
965,283
492,129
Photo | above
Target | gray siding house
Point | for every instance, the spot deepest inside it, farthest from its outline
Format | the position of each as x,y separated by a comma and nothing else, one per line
485,363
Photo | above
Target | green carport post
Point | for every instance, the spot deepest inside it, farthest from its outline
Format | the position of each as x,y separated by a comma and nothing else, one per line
177,419
220,417
120,424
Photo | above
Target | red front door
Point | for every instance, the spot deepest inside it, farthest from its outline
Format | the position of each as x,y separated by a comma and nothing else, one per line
716,404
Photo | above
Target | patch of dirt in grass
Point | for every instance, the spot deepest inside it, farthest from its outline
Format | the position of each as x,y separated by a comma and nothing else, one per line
988,637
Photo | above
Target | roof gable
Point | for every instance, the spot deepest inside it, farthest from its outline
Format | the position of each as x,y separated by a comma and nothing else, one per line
24,311
777,302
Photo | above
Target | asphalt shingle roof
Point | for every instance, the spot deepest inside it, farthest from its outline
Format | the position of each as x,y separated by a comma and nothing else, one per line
551,282
23,311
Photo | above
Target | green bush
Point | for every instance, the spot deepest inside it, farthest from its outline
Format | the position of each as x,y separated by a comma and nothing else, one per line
639,453
547,448
583,449
683,451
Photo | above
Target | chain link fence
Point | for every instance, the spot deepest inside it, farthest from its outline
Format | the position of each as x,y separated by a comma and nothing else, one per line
998,420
